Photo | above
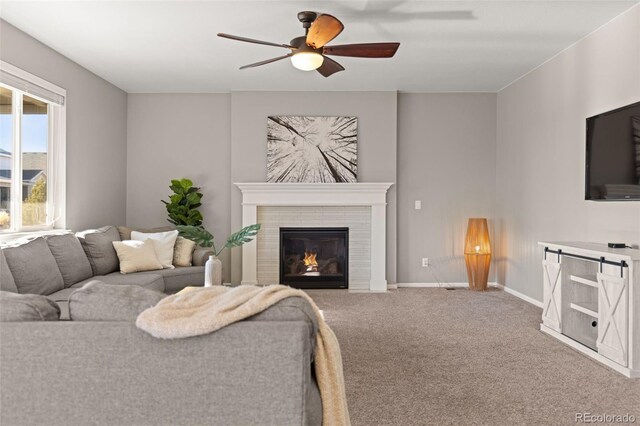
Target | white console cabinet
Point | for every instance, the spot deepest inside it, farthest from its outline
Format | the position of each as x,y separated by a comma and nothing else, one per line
591,301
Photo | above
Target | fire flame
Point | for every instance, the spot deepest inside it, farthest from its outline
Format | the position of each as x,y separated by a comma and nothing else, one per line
310,258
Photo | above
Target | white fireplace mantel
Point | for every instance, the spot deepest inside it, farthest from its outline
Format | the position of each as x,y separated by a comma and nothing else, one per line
371,194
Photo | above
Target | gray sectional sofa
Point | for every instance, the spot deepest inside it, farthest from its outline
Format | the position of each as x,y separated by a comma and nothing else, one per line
55,266
98,368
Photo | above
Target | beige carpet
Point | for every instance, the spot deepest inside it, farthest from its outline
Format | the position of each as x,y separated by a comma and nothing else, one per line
437,356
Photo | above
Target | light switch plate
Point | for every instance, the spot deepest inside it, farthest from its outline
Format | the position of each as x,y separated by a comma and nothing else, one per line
418,205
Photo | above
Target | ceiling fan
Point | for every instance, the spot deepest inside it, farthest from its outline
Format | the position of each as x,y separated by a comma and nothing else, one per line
309,52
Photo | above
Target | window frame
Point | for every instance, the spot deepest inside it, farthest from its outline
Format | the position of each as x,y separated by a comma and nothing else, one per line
56,156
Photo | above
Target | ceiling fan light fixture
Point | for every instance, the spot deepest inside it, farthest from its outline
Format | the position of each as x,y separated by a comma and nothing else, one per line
307,61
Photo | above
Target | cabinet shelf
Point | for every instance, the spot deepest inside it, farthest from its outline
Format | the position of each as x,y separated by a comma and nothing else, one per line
589,308
590,280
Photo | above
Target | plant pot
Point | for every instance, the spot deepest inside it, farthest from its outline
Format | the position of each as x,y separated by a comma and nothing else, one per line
213,272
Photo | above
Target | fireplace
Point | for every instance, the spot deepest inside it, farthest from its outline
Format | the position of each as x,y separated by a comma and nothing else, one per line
314,257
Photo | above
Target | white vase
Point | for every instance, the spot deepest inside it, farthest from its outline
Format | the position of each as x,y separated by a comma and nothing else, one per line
212,272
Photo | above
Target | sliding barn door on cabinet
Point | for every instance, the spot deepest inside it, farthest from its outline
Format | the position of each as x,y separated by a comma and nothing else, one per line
613,310
552,299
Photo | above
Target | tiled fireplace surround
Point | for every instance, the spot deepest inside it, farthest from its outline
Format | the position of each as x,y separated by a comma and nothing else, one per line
359,206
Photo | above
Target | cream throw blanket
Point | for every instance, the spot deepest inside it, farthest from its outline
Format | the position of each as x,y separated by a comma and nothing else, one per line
205,310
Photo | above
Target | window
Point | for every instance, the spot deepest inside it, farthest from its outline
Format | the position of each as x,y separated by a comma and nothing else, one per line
32,141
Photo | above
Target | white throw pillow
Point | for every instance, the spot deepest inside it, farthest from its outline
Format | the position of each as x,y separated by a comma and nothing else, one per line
163,242
137,256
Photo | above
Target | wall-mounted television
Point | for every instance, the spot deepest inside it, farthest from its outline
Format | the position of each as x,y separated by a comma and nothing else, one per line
613,155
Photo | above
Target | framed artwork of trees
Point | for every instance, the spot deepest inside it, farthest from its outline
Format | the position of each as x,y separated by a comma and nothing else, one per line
312,149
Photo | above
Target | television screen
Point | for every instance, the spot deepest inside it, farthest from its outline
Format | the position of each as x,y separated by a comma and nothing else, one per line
613,155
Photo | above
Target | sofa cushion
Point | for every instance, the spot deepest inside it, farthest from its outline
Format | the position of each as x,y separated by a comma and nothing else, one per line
61,298
27,307
183,252
97,301
147,280
179,278
70,257
137,256
125,231
6,279
97,244
34,268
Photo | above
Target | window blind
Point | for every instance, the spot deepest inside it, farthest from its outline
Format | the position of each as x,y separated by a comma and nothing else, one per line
31,88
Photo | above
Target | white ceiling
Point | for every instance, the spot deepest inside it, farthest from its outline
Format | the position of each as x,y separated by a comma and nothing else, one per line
446,46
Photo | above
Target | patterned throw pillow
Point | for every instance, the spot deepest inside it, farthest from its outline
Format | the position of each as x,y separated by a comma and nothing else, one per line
183,252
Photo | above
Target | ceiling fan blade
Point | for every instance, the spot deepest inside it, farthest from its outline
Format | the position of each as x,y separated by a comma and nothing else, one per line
268,61
364,50
250,40
329,67
324,29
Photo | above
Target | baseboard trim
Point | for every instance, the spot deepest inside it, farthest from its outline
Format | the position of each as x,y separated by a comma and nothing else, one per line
432,285
465,284
519,295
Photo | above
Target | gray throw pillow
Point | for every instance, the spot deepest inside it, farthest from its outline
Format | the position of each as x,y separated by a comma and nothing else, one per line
27,307
34,268
97,244
6,279
97,301
70,257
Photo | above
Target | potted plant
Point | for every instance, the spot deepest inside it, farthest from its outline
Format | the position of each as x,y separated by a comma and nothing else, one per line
183,204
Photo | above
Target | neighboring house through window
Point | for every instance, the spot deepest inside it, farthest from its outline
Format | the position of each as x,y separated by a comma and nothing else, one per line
32,152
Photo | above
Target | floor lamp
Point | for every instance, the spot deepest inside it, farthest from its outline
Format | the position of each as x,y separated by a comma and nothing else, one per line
477,253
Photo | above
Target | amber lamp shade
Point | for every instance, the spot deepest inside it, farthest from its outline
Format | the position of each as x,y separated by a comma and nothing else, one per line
477,253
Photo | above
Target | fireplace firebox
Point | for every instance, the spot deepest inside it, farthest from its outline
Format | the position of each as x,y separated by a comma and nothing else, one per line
314,257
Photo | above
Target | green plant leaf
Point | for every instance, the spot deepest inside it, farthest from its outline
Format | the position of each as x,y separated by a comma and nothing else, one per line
193,198
243,236
186,183
197,234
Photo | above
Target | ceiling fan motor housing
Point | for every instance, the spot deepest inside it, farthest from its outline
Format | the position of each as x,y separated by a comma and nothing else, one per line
307,17
300,45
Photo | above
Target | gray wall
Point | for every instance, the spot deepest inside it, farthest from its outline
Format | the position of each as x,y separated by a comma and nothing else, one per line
446,159
444,143
174,136
96,130
377,134
541,152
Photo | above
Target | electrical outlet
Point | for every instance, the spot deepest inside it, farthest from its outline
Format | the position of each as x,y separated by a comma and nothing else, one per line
425,262
418,205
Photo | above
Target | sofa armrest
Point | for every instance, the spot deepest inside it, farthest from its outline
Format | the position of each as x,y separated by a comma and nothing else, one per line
201,255
249,373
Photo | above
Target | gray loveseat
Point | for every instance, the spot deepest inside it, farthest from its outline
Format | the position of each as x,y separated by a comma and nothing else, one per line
57,265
